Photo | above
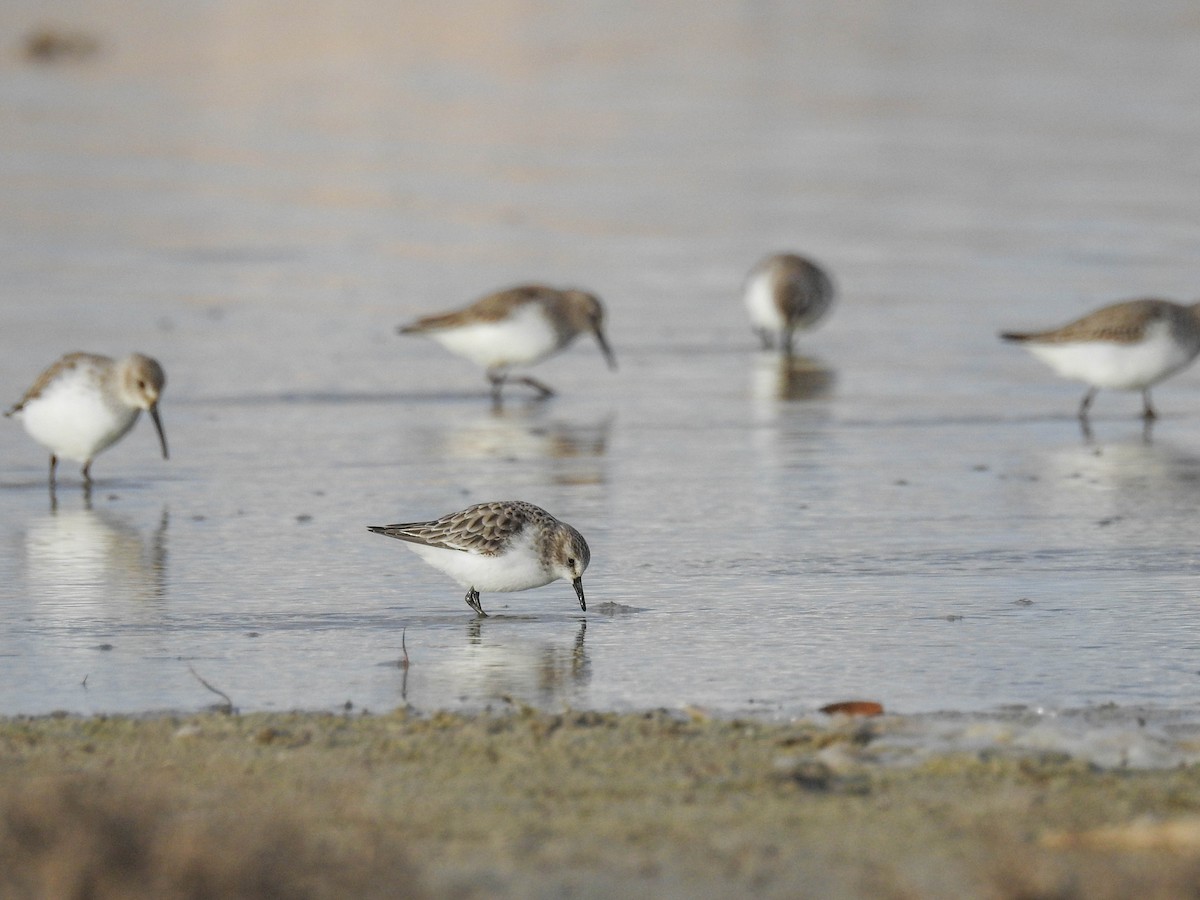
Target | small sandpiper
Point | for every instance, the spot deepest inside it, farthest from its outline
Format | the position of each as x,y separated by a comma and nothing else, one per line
85,403
786,293
506,545
516,327
1128,346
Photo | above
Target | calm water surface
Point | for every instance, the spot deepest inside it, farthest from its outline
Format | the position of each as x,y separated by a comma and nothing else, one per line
257,193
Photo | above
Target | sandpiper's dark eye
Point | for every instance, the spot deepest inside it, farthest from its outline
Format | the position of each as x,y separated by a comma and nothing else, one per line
141,385
570,563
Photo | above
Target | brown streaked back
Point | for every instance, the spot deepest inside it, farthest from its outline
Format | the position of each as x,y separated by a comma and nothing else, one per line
65,364
1119,323
492,308
803,289
485,528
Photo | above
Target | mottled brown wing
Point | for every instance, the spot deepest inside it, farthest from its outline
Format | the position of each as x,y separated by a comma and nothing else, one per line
804,288
70,361
491,308
1120,323
485,528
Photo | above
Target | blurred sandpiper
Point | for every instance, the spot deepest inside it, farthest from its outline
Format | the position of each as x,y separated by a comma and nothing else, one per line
85,403
786,293
1128,346
519,326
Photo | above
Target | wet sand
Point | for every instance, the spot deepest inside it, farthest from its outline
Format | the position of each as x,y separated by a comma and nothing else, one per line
526,804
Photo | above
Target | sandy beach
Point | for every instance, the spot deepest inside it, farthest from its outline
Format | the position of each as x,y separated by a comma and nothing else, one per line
518,803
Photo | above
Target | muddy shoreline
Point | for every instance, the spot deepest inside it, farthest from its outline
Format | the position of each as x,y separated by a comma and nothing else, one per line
528,804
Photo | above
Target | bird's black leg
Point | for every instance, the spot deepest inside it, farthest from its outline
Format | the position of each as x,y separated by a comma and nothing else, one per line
472,599
497,379
785,341
1148,412
1086,403
1084,425
543,390
53,466
87,472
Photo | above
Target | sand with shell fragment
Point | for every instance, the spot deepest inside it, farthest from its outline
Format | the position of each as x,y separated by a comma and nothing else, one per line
526,804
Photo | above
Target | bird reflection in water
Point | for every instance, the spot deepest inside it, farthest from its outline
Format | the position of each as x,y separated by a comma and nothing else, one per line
85,559
500,665
574,449
1089,438
791,378
539,673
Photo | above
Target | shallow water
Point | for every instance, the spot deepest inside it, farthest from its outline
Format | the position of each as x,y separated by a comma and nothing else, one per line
257,194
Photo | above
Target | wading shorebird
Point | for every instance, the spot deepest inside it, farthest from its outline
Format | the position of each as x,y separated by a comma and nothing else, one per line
786,293
85,403
1128,346
506,545
516,327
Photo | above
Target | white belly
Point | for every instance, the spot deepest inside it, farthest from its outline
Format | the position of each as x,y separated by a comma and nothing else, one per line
1127,367
516,570
760,303
73,421
523,338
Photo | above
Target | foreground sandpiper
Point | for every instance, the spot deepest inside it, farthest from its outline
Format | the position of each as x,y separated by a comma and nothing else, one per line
786,293
506,545
516,327
85,403
1128,346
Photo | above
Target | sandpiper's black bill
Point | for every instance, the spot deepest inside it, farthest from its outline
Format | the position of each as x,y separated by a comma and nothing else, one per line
162,438
605,349
578,585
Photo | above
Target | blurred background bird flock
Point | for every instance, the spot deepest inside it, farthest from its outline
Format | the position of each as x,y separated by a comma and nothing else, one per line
84,403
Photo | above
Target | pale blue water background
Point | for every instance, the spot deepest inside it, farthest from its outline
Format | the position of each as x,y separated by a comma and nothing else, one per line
257,193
